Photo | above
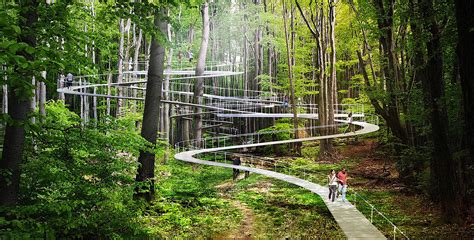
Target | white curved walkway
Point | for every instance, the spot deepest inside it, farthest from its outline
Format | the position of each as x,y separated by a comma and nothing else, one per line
351,221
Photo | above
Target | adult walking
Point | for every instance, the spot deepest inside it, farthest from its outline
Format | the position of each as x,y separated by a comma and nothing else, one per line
285,103
342,178
190,55
332,184
236,161
349,122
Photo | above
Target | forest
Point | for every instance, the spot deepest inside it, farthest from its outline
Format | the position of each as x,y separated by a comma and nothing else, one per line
237,119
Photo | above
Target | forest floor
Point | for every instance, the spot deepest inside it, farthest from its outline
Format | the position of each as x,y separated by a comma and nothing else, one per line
259,207
272,209
374,176
246,225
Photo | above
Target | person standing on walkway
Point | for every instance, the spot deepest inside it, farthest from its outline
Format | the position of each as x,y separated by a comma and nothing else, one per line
285,102
236,161
342,177
190,55
349,122
332,183
69,79
180,56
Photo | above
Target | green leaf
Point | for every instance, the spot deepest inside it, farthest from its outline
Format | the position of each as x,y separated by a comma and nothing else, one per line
30,50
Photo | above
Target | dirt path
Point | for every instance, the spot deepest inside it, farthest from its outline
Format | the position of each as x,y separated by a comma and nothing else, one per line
246,227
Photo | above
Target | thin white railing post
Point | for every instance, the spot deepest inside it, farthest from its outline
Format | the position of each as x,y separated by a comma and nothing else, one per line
355,199
394,232
372,214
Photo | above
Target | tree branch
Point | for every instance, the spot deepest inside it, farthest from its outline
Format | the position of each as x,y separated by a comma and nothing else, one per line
306,20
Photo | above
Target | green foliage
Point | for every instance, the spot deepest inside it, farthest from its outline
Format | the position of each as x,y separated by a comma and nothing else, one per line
187,204
310,152
285,211
77,181
265,82
282,132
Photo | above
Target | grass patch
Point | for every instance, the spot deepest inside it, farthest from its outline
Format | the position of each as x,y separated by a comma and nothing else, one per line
283,210
187,204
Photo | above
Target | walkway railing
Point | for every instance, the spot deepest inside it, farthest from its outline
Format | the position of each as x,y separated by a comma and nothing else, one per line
226,96
256,137
272,164
396,230
246,138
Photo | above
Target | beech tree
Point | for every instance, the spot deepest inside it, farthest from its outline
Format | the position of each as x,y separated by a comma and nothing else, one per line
146,169
19,90
324,35
289,40
465,55
199,82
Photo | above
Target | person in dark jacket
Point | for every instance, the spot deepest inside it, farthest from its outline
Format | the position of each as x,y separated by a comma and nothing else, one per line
236,161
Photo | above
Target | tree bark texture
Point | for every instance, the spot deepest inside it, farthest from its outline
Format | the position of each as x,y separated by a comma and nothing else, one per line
146,169
199,82
18,110
290,62
120,65
465,54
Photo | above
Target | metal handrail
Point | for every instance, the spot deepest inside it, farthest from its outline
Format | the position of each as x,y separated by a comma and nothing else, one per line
372,209
192,142
305,173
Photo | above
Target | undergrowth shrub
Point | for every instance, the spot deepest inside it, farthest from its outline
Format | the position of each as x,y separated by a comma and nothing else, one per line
77,180
283,131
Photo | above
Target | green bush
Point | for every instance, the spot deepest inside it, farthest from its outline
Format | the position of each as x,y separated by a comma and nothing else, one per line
77,181
283,133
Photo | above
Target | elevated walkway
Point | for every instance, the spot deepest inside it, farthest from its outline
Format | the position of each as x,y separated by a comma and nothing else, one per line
351,221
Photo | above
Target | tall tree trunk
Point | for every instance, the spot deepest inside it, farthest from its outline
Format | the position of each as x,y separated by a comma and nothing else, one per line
290,72
146,169
319,31
199,82
136,66
326,108
465,54
445,175
136,54
127,61
245,65
166,87
390,76
18,110
120,65
332,59
191,34
5,97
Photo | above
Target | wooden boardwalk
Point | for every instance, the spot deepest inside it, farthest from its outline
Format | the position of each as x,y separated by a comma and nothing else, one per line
352,222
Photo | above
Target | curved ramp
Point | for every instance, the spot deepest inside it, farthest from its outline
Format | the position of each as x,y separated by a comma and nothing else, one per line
351,221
